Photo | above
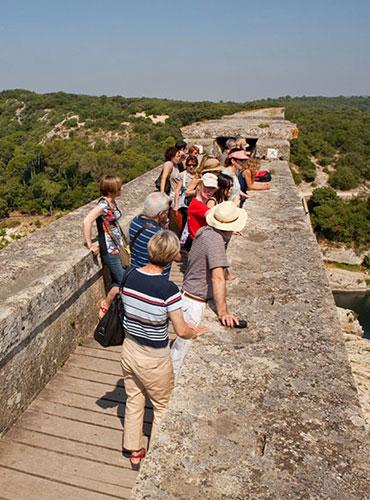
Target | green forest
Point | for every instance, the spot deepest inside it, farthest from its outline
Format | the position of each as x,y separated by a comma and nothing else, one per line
54,147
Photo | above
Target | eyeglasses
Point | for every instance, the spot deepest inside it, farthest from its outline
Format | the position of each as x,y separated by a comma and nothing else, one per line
192,165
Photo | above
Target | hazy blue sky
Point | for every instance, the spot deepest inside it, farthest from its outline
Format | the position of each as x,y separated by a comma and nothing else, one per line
204,49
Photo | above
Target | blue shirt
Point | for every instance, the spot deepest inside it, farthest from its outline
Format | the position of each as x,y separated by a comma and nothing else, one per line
139,252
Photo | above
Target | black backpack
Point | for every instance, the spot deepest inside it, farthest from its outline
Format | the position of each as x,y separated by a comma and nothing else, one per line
110,331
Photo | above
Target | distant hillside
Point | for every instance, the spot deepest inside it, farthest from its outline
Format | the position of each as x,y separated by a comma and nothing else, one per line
54,147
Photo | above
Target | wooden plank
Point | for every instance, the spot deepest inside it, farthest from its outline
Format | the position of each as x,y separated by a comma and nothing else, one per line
73,370
17,485
82,415
80,432
95,389
69,447
98,353
91,342
87,403
97,364
75,471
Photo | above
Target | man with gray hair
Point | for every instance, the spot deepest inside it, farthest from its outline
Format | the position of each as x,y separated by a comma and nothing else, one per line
229,144
154,218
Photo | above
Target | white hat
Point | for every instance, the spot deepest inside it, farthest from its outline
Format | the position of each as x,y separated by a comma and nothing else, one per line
209,180
227,217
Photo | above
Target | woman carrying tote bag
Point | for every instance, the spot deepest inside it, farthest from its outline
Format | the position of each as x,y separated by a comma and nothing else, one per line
110,237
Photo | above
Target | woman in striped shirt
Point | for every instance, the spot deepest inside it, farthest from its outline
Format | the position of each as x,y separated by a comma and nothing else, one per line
150,300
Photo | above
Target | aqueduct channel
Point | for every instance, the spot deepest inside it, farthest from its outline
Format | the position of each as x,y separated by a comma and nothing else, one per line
271,411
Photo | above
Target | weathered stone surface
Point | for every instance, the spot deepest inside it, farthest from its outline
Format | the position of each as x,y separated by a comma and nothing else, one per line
341,279
50,284
349,322
340,253
271,411
268,126
358,350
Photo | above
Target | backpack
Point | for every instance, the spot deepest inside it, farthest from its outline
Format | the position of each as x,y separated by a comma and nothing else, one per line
167,187
109,330
262,176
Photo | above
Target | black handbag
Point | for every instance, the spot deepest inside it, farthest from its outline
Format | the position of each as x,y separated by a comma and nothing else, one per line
110,331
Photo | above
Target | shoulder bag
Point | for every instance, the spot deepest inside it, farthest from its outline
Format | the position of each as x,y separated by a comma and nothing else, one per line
110,331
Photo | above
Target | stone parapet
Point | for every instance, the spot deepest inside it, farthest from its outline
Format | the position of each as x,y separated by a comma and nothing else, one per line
267,126
271,411
50,285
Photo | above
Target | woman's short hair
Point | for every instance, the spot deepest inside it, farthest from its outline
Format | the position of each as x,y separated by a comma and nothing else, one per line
110,184
170,153
191,160
163,248
192,148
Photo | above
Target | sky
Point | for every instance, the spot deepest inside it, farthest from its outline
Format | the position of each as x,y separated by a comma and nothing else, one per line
215,50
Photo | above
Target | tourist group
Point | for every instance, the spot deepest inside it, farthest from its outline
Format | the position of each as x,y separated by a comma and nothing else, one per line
191,216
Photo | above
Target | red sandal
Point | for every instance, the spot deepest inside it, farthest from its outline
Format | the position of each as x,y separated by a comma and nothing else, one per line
137,455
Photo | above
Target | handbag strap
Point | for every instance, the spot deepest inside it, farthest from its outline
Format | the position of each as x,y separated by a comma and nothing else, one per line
126,274
138,233
116,242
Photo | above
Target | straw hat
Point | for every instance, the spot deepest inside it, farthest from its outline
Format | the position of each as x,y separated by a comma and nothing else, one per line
227,217
209,165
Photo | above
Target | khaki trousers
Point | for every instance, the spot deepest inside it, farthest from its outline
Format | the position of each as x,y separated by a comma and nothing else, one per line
143,375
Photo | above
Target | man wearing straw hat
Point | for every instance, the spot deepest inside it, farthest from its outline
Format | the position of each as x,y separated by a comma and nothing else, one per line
205,274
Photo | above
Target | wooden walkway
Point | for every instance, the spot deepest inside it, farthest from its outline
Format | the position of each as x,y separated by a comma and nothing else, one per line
68,444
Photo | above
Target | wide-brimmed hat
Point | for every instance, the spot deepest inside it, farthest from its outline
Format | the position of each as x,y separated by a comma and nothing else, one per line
227,217
210,165
209,180
239,155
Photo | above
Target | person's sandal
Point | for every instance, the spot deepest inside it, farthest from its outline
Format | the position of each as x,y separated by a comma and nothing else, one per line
137,455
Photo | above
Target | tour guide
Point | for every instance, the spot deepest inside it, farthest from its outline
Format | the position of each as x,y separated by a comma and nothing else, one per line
205,274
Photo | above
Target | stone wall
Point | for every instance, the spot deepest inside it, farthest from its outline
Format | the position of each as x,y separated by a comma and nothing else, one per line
50,285
272,411
267,126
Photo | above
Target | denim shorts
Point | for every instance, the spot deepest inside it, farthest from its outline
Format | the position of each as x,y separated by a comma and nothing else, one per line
113,262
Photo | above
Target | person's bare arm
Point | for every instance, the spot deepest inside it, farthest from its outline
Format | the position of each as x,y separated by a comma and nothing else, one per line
211,203
111,295
177,257
252,186
219,295
177,194
192,186
88,221
182,328
165,173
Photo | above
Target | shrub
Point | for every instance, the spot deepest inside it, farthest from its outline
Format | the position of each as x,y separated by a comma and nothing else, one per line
344,177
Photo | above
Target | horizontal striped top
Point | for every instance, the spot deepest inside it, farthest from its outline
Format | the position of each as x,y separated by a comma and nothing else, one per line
139,252
147,299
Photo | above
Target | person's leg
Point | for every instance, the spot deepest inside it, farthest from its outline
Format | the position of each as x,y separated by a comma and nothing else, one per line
158,382
135,405
193,312
184,213
113,262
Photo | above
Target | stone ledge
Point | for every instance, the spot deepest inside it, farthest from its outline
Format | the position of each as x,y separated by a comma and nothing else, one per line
271,411
43,277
